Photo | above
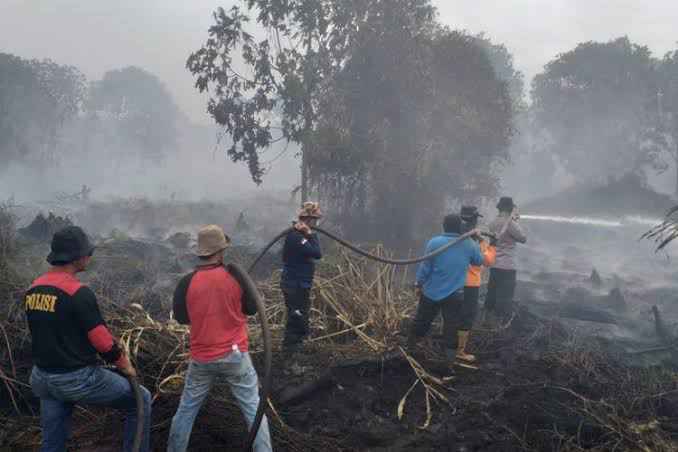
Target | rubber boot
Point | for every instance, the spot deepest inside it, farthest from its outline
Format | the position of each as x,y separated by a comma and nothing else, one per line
462,337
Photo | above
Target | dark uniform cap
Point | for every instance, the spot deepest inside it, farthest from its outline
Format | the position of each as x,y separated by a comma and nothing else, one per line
506,203
68,245
469,213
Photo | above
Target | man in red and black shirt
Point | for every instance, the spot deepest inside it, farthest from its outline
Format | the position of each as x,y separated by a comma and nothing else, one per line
68,333
212,301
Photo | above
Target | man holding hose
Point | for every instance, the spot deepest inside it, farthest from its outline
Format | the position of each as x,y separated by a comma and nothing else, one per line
300,251
502,284
212,301
469,218
67,332
440,284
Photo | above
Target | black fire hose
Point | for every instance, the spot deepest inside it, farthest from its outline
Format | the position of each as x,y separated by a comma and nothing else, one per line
357,250
139,397
385,260
251,288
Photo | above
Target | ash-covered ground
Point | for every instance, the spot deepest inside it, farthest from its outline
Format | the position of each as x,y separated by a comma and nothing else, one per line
583,365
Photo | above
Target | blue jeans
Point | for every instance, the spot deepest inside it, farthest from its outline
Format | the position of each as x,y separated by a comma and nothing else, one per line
237,369
59,393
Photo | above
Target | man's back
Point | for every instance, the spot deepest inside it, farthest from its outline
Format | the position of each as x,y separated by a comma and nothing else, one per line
506,242
60,312
214,305
446,273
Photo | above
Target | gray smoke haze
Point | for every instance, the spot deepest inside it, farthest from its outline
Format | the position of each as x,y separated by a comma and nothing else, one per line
158,35
97,36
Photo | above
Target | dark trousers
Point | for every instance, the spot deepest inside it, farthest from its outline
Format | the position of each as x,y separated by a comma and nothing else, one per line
298,302
500,290
469,310
451,309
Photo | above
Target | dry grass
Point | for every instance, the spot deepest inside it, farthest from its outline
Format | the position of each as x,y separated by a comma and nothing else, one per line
358,312
13,333
618,403
7,233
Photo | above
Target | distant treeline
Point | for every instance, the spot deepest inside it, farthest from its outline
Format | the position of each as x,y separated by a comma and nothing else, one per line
600,111
395,116
50,111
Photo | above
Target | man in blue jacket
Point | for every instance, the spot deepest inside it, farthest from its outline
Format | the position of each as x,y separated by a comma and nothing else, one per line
300,251
440,283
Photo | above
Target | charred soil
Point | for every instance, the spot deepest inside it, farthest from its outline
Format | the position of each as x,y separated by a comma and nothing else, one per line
538,385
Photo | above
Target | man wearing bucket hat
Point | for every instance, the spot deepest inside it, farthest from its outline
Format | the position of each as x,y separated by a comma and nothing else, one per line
67,332
502,284
469,217
300,251
214,304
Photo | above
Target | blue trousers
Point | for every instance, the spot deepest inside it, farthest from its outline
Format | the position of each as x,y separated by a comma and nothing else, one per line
237,369
94,386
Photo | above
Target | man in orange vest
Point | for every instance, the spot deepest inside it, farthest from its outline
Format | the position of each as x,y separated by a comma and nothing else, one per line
469,217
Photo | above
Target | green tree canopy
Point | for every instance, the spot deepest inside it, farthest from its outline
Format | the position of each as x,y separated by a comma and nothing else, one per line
36,99
395,114
142,110
595,103
667,109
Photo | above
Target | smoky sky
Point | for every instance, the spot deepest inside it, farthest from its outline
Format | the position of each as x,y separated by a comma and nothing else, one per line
158,35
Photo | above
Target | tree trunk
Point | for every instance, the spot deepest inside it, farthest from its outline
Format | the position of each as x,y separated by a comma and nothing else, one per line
304,173
308,124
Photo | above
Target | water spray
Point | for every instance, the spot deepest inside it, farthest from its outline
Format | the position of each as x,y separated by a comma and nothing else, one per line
591,221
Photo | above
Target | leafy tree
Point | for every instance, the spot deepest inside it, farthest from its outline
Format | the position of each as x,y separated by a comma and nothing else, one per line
593,101
36,99
415,119
270,98
138,110
667,107
374,92
502,63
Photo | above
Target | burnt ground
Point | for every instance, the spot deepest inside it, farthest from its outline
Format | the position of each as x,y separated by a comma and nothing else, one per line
547,381
530,391
536,387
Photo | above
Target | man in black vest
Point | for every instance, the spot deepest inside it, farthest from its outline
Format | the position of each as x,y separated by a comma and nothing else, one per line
68,332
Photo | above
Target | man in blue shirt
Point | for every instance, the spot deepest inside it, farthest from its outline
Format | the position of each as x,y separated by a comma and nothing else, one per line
300,251
440,283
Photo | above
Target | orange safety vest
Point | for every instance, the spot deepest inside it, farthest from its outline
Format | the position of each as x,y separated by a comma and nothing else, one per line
474,272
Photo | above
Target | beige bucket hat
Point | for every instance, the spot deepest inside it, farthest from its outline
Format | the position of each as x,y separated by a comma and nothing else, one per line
211,240
310,209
